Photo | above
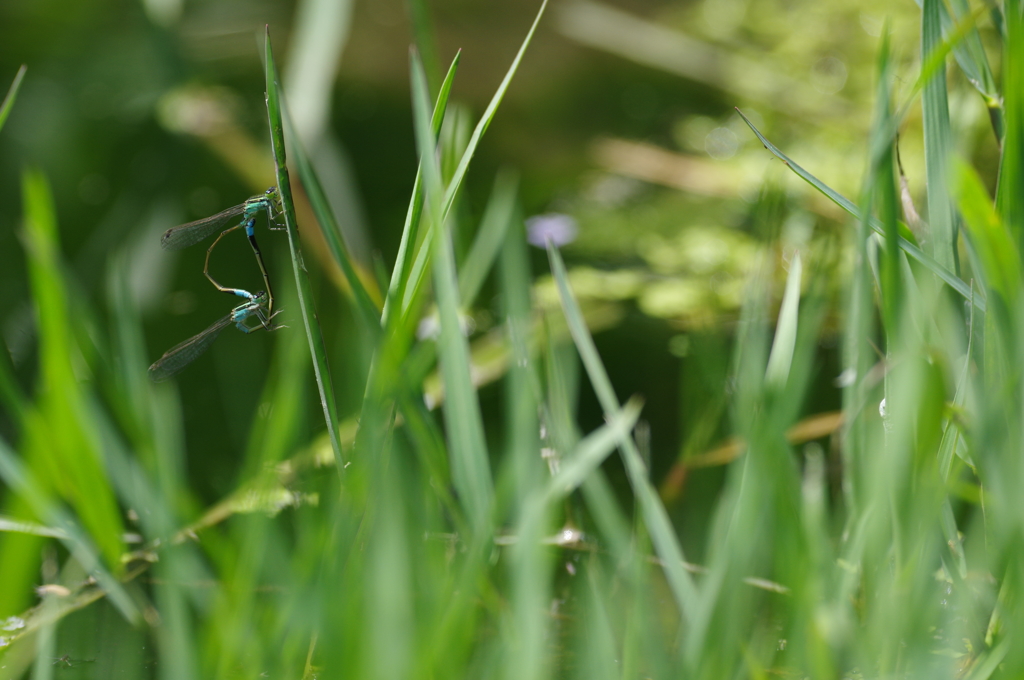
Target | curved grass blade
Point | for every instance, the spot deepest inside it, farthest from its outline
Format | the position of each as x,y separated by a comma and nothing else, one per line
666,543
58,434
418,273
970,55
988,234
314,335
12,94
951,279
410,232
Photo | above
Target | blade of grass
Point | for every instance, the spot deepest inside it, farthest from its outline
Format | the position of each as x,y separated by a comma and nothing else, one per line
989,236
846,204
321,370
59,435
470,467
937,144
75,540
656,519
410,232
1009,198
418,273
881,183
12,94
971,57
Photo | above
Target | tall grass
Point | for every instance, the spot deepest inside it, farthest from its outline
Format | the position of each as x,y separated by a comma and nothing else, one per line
451,547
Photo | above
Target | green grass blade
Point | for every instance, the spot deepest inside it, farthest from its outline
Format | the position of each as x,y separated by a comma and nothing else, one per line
321,370
881,191
368,309
493,227
12,94
951,279
59,435
417,275
22,482
410,232
937,144
970,55
488,116
658,525
470,466
988,235
1009,197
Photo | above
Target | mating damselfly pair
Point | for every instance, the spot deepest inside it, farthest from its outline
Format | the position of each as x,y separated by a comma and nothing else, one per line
259,305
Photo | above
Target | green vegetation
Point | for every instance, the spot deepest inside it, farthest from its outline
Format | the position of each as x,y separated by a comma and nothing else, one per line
415,479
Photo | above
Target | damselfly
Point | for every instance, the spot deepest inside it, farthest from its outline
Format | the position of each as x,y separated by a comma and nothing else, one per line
189,234
184,353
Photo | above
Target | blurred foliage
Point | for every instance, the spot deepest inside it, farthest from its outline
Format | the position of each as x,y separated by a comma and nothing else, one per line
198,529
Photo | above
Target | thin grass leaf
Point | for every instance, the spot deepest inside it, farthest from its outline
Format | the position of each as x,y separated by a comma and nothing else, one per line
75,540
656,519
59,437
970,55
991,660
12,94
410,232
989,236
488,116
471,473
846,204
418,275
321,370
20,527
882,192
1009,197
493,227
937,144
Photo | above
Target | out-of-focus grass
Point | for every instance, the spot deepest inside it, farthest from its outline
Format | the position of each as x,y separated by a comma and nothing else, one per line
478,545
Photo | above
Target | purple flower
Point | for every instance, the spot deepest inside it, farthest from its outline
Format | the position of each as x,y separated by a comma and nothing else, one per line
558,227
